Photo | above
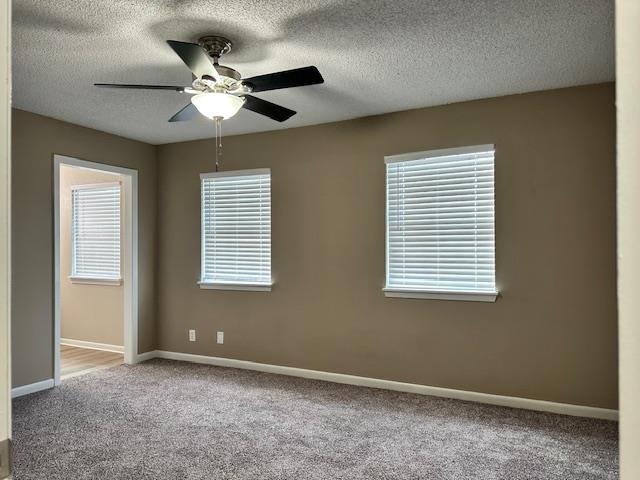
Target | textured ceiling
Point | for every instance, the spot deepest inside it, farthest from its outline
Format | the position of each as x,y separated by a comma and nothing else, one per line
376,56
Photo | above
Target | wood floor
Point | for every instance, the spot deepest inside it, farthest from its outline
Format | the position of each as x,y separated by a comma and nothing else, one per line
76,361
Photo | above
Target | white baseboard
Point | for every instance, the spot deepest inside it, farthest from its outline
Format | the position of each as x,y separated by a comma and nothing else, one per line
488,398
31,388
143,357
92,345
491,399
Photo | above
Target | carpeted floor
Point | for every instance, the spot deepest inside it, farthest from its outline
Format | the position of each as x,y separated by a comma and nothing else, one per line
173,420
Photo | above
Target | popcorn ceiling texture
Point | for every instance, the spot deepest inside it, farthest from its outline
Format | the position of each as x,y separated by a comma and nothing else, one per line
376,56
164,419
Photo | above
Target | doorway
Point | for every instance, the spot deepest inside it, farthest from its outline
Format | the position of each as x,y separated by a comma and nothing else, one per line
95,276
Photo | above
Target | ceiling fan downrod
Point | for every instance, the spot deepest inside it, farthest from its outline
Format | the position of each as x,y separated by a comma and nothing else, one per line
215,46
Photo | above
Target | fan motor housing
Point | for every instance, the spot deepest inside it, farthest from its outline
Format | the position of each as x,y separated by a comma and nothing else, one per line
228,72
216,46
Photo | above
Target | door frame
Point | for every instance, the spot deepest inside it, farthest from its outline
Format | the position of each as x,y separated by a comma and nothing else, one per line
130,255
5,239
628,206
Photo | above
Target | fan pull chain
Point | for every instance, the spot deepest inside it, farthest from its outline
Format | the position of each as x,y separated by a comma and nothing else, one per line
218,129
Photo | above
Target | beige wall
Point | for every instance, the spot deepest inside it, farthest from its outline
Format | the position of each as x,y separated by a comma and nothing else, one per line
628,101
35,140
551,335
92,313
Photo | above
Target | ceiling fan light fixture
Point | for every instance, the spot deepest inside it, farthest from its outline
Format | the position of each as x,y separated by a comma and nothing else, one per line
221,91
217,104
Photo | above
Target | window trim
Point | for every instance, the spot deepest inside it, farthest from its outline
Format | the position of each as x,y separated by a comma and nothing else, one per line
94,280
247,287
443,152
435,295
238,286
429,293
87,186
237,173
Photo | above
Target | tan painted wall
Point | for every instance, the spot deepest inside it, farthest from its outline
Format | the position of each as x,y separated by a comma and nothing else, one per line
628,100
92,313
551,335
34,141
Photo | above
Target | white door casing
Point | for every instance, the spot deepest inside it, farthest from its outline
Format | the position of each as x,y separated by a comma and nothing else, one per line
628,204
5,237
130,255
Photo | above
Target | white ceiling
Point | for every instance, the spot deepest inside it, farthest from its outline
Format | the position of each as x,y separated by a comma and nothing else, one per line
376,56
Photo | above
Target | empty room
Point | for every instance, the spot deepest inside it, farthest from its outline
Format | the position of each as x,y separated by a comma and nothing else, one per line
321,239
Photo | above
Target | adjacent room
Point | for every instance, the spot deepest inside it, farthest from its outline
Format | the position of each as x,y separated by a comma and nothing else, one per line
89,270
314,240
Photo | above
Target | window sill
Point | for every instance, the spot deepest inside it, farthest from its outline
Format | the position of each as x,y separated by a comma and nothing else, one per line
97,281
435,295
249,287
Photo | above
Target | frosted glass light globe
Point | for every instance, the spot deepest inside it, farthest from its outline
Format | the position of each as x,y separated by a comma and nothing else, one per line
216,104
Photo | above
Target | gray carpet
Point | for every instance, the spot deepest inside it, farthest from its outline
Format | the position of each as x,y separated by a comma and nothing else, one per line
174,420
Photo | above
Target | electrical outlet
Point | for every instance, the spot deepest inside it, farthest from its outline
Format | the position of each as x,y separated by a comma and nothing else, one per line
220,337
192,335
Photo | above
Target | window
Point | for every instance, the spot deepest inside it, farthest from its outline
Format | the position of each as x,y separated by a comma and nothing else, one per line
95,233
440,224
236,230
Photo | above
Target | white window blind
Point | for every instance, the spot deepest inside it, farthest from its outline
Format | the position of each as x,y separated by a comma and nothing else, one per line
236,228
95,236
440,223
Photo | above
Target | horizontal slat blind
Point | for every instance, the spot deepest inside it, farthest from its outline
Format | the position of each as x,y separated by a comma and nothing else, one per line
96,231
440,222
236,228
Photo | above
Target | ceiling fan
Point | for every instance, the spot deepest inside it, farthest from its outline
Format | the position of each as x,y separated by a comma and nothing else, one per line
219,91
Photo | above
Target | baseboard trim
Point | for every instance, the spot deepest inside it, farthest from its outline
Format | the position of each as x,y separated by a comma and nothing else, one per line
143,357
488,398
32,388
92,345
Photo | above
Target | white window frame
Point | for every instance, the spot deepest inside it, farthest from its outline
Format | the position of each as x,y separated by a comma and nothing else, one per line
242,286
397,292
93,279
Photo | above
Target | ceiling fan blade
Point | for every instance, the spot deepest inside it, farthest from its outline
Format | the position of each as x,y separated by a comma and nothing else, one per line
187,113
297,77
195,58
140,87
268,109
